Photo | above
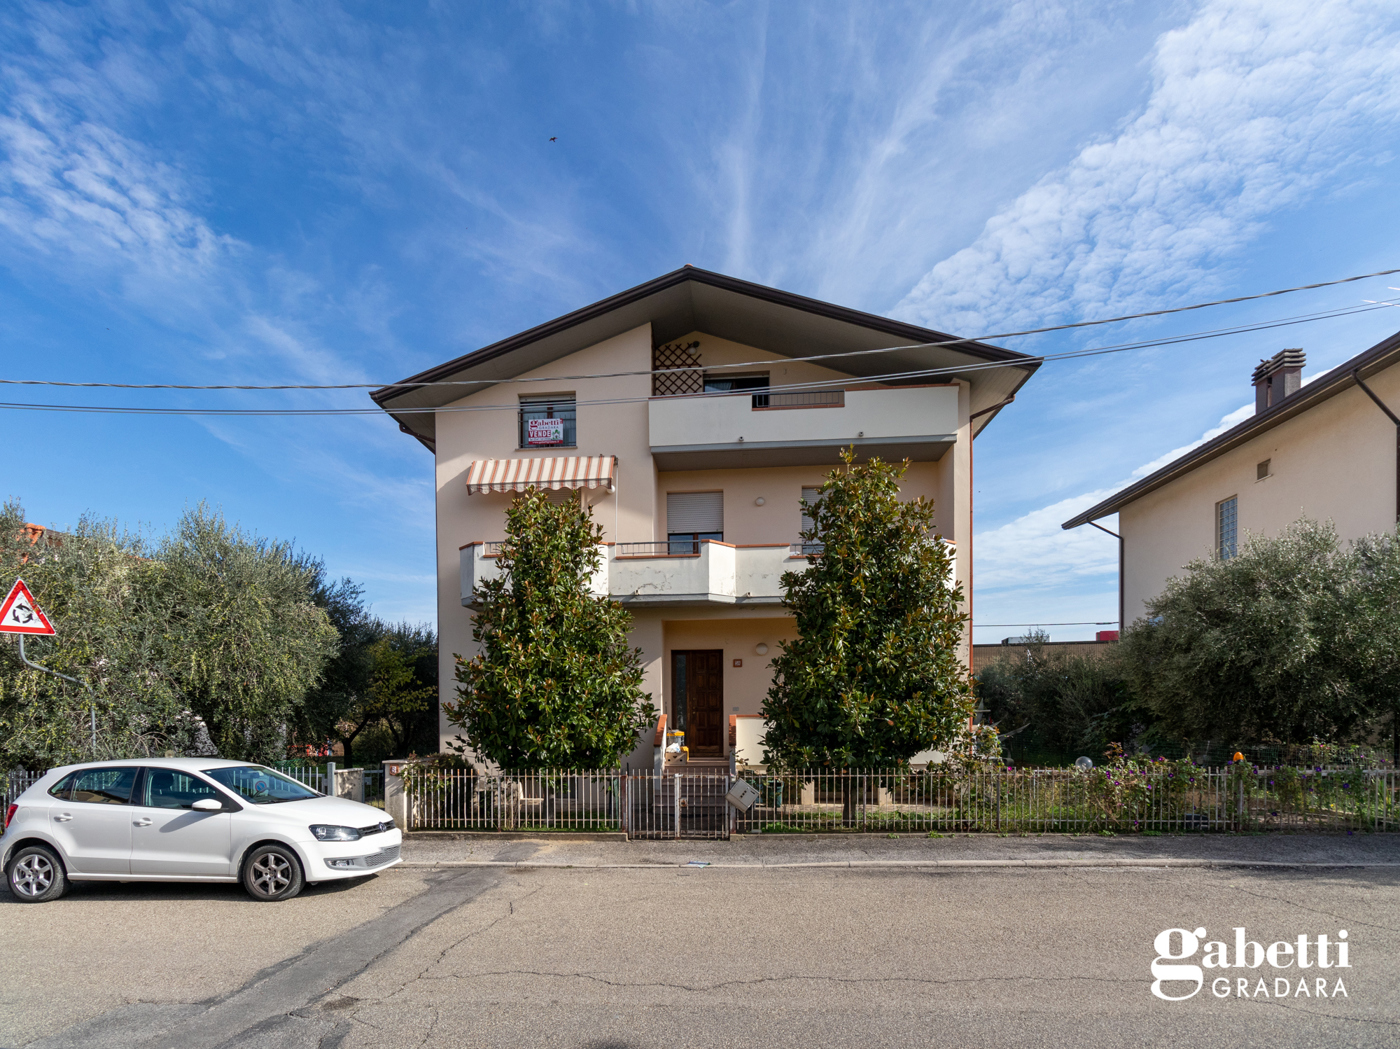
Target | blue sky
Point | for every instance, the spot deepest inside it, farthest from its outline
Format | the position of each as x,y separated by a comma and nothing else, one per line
246,192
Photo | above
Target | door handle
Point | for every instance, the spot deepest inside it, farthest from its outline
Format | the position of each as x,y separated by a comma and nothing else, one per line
62,817
144,821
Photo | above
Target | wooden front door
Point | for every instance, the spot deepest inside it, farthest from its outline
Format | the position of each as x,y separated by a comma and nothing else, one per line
698,678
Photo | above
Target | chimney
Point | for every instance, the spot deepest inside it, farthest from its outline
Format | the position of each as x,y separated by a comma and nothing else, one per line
1279,377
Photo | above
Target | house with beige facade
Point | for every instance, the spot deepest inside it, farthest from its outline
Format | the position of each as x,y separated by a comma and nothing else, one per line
692,414
1328,449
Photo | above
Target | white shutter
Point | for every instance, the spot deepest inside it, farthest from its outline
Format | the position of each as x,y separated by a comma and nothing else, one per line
810,497
688,512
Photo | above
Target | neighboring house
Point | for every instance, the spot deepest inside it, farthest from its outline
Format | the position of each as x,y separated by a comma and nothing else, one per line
695,468
1327,450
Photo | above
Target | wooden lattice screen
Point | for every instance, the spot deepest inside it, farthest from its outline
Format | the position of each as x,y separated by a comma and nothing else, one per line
670,383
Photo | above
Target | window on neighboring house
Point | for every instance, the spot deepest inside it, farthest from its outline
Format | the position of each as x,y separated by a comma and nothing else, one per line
1226,528
692,517
548,422
810,497
1262,470
731,383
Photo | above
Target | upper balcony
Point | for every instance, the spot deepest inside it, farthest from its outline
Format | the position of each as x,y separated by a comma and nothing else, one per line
672,573
669,573
804,428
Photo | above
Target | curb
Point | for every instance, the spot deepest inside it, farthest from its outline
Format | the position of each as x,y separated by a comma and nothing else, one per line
512,835
900,864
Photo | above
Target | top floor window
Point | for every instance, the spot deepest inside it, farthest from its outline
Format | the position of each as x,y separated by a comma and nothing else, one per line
548,422
1226,528
733,383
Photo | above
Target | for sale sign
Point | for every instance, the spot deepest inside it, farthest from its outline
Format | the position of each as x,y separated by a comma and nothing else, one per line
544,431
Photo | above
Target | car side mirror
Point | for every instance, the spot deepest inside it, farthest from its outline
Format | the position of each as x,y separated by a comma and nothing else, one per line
208,805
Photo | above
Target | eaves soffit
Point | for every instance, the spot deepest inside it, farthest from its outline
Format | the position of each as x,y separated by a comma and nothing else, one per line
691,300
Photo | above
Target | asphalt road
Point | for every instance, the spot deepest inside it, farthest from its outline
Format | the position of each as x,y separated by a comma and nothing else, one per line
653,955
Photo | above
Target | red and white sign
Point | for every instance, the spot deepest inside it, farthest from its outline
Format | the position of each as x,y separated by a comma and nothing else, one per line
544,431
20,614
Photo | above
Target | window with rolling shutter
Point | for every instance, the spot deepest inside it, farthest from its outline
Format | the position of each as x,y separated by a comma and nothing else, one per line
691,517
810,497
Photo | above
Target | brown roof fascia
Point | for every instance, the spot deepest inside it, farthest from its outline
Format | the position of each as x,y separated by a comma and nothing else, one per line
1328,385
910,332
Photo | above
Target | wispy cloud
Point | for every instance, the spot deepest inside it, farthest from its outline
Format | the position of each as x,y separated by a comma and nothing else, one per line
1034,557
80,193
1255,105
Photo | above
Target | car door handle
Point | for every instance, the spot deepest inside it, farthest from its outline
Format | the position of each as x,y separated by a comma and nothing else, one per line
62,817
144,821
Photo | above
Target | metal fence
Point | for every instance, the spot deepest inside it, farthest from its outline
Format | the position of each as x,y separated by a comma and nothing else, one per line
543,800
1161,797
1167,797
313,776
16,783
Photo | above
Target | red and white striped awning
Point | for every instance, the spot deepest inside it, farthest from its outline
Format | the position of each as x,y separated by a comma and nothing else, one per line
565,471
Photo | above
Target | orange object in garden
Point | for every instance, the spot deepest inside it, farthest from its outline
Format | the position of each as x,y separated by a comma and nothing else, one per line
1238,756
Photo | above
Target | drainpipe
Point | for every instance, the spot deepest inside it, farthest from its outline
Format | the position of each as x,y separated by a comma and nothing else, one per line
1395,703
1117,536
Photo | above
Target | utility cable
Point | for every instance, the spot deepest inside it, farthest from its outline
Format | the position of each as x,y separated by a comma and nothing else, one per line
1021,362
795,387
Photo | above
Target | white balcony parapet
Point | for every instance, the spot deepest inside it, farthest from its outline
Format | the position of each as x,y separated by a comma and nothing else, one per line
664,573
713,431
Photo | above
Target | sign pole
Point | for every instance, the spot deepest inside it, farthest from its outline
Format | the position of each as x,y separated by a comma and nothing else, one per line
92,703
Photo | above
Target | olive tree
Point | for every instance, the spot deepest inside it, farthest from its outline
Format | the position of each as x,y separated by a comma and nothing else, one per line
207,635
1294,638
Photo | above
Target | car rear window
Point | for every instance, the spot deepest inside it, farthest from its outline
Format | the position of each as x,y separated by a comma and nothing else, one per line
60,789
103,786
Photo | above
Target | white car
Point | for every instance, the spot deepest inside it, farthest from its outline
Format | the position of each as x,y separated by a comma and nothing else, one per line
187,819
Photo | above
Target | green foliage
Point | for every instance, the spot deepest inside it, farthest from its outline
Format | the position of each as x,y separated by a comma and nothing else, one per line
874,675
209,630
377,696
1052,705
240,632
1294,638
554,684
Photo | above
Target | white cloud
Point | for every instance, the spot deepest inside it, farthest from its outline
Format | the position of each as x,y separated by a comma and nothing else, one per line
1033,554
81,193
1254,105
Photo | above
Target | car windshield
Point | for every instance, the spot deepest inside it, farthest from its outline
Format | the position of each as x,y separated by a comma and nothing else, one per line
259,785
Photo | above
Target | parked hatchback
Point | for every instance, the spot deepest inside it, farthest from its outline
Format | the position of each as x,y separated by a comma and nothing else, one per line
187,819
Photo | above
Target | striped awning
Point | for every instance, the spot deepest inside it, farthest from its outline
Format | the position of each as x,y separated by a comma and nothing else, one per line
565,471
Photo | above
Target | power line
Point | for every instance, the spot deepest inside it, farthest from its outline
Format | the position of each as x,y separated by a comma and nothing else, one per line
742,364
796,387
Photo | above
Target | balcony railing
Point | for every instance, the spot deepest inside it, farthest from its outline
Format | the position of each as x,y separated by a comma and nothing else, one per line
801,399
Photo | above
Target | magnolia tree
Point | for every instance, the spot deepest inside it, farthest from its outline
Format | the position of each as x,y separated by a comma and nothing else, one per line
554,684
1294,638
875,674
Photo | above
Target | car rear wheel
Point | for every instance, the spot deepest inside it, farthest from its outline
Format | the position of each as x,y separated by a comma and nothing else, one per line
272,873
36,875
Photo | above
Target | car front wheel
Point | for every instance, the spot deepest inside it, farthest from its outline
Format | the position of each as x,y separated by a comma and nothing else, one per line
36,875
272,873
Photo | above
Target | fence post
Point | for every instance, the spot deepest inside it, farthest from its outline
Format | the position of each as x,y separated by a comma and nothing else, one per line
395,800
330,791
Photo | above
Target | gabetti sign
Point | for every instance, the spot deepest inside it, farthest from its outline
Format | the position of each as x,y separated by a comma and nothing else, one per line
1177,965
544,431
